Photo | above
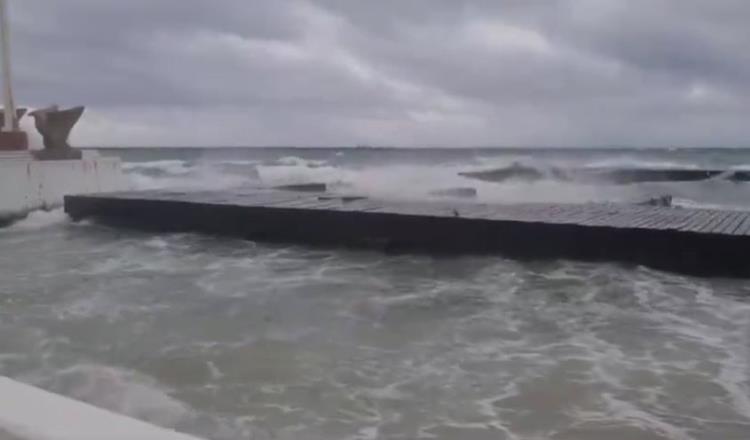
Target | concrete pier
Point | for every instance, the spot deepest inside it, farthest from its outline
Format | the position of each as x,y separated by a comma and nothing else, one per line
693,241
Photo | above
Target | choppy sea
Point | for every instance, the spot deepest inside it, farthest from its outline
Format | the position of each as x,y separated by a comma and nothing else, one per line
230,339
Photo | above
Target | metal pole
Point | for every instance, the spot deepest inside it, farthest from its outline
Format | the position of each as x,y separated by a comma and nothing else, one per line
10,109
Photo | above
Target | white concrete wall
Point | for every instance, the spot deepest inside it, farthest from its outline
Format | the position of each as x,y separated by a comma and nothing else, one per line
27,184
28,413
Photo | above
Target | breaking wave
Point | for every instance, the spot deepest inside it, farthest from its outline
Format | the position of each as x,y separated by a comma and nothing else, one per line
37,220
187,175
509,179
668,172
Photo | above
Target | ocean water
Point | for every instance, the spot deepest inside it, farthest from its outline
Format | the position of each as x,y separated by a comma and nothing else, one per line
415,173
231,339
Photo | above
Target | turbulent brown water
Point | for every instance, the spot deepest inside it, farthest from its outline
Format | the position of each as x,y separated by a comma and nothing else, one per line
230,339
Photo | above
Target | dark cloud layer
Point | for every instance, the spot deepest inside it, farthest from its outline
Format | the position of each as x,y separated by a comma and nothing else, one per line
391,72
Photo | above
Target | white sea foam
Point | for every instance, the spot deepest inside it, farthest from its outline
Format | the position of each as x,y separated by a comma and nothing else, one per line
37,220
415,181
298,161
640,163
176,174
696,204
164,166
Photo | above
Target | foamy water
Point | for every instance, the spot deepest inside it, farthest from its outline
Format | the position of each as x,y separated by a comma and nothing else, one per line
229,339
416,175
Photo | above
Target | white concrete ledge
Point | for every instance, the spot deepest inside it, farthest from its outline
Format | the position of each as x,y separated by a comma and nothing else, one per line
28,413
27,184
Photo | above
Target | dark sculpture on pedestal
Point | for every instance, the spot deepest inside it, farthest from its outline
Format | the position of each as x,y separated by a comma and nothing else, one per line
55,126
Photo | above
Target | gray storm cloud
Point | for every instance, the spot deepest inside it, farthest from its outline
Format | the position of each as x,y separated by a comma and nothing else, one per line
391,72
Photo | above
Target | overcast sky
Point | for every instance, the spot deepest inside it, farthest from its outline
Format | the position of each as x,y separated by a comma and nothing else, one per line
390,72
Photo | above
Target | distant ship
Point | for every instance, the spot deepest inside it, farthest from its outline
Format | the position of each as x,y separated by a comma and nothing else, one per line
39,179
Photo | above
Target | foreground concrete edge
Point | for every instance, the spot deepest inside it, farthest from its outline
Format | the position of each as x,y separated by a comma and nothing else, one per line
29,413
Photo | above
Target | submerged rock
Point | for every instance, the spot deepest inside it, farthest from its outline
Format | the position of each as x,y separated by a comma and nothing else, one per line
636,175
304,187
345,199
617,176
664,201
464,193
740,176
515,171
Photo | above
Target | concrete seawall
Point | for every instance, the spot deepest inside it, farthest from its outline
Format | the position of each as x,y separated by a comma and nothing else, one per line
27,184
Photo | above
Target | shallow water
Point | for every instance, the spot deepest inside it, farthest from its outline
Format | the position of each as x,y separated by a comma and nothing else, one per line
229,339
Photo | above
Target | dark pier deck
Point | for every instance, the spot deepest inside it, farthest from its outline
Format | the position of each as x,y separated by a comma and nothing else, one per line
700,242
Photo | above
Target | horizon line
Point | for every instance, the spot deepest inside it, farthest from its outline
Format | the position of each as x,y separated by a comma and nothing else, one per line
425,147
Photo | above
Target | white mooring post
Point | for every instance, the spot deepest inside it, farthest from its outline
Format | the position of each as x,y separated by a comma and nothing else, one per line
11,124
